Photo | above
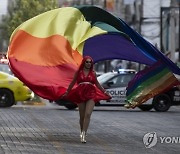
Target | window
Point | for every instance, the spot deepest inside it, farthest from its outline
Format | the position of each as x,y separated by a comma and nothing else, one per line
121,80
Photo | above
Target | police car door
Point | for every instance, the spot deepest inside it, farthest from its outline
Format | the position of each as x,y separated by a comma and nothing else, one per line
117,88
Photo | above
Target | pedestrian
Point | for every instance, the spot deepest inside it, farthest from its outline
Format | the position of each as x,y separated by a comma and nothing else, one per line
87,92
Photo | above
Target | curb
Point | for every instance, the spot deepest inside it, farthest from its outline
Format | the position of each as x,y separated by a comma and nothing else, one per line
33,103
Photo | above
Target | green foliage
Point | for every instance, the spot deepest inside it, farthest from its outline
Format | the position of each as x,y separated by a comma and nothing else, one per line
22,10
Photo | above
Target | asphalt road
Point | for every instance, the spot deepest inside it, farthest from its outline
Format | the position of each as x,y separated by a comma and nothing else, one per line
52,129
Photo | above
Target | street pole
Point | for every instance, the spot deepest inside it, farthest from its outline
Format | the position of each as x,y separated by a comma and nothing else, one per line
172,38
161,30
106,62
140,18
179,31
104,4
92,2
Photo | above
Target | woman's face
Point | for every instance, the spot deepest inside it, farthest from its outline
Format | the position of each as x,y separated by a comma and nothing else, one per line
88,63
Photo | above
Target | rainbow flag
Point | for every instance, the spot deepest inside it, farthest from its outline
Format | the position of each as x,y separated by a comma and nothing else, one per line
150,82
45,51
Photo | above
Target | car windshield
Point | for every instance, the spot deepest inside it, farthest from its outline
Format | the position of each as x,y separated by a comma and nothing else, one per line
104,77
5,68
121,80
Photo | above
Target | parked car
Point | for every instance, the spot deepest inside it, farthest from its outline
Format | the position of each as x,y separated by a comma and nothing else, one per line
12,90
116,82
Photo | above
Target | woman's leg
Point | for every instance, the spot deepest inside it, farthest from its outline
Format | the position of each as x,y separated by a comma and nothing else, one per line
88,111
82,107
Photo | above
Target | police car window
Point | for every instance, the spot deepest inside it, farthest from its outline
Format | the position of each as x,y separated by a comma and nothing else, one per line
121,80
103,78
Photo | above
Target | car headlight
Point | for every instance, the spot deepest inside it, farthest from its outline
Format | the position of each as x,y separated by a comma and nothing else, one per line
32,95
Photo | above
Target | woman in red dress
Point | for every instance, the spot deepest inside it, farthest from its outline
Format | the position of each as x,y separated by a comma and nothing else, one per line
86,94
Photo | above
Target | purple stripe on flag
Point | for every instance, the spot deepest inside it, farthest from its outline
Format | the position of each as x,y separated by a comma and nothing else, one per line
113,46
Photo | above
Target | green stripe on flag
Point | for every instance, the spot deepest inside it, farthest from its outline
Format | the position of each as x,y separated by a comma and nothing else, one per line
148,82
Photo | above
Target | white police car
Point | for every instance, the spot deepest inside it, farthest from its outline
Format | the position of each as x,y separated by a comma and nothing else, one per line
116,82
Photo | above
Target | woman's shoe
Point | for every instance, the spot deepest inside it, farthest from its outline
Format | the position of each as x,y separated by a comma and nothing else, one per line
80,135
83,137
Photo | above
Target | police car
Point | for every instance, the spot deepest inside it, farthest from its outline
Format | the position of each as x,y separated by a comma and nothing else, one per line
115,83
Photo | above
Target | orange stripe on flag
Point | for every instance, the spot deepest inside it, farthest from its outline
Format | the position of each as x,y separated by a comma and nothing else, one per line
51,51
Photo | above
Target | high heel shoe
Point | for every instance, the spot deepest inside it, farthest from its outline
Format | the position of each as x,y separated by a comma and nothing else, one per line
81,134
83,137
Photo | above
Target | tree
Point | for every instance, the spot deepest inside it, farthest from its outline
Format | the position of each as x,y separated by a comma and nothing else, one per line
22,10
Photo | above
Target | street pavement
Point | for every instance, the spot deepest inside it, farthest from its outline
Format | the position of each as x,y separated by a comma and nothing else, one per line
52,129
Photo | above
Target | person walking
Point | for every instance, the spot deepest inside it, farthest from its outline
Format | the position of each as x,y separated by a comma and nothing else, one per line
87,92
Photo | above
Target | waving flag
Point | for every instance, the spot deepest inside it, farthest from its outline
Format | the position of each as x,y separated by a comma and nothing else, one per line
148,83
45,51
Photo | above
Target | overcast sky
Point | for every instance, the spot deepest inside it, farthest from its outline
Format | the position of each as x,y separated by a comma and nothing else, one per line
3,7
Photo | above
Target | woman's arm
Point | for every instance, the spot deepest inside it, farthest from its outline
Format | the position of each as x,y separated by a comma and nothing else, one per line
71,85
99,86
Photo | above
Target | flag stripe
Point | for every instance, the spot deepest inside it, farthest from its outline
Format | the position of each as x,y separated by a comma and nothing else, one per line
150,92
105,43
50,82
149,83
62,21
152,82
148,79
144,75
51,51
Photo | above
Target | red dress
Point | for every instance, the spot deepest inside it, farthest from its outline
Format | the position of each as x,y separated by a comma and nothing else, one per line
86,89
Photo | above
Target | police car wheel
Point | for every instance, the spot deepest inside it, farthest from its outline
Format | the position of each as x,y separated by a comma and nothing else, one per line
70,106
6,98
145,107
161,103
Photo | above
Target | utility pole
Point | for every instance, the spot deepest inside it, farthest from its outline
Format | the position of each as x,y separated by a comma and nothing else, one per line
138,18
104,4
179,30
106,62
172,31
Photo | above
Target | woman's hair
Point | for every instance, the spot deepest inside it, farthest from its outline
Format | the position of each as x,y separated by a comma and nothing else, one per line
83,63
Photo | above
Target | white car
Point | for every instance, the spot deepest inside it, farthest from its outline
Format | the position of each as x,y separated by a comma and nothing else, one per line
116,82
